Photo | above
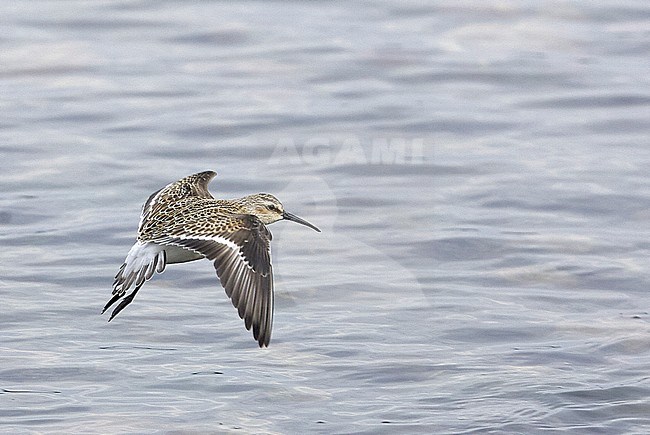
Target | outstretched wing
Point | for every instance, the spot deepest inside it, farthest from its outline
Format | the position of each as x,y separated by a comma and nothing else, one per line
139,266
239,246
146,257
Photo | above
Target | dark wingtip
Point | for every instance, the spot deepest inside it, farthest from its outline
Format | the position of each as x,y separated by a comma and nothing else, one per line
262,338
263,343
111,302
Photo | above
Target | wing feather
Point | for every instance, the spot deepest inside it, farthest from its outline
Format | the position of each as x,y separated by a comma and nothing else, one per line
242,260
139,266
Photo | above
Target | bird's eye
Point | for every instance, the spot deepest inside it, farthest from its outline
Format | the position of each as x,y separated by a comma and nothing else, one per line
272,207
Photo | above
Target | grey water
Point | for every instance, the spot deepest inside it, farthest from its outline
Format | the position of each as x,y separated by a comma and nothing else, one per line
479,171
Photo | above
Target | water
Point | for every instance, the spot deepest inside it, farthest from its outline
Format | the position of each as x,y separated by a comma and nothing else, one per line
479,172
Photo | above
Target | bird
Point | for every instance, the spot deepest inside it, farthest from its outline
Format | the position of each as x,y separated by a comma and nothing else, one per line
183,222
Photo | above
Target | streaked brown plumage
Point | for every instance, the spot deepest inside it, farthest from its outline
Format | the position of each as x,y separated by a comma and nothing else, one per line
183,222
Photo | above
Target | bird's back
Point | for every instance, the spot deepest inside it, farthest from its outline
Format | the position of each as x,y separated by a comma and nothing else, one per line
184,202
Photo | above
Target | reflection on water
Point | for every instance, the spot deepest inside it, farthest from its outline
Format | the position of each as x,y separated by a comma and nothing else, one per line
478,171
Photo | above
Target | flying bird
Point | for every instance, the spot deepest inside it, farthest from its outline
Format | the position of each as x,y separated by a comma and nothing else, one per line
183,222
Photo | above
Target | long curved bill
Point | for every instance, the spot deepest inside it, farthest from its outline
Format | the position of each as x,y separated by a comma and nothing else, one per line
292,217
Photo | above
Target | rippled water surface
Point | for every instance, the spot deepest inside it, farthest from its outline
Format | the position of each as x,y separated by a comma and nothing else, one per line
479,171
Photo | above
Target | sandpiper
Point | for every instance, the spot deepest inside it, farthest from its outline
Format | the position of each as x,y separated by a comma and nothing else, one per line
183,222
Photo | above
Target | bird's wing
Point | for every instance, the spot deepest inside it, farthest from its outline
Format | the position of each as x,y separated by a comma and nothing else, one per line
239,246
195,185
143,259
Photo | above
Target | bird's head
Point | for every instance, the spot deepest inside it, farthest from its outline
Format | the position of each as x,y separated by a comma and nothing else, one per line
269,209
